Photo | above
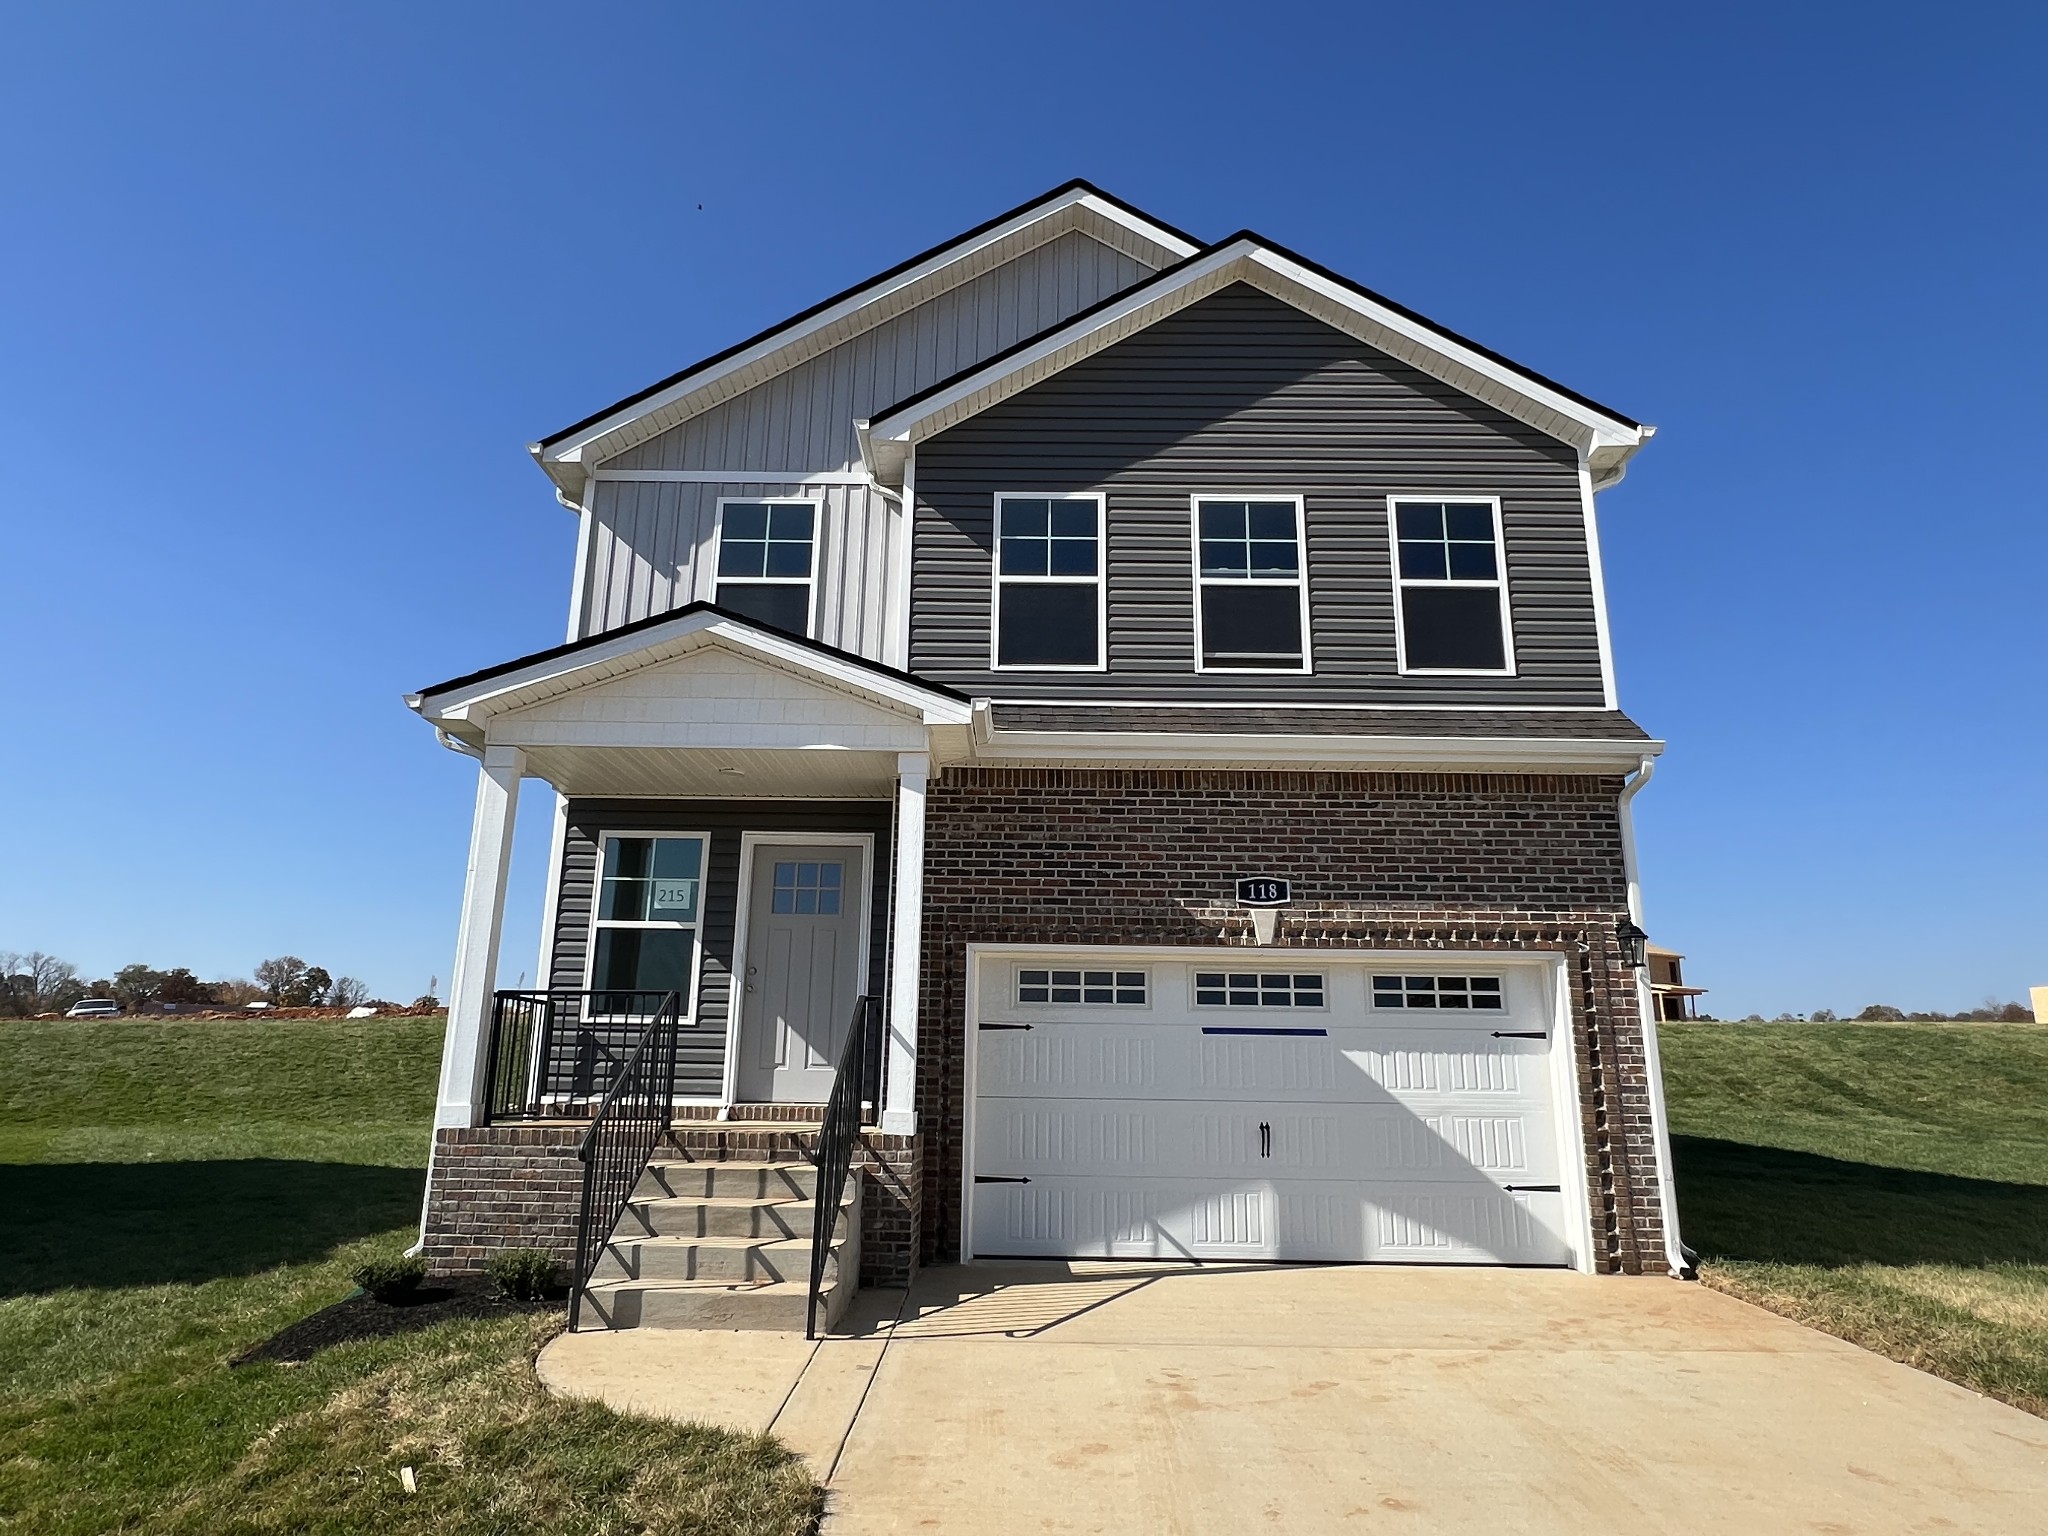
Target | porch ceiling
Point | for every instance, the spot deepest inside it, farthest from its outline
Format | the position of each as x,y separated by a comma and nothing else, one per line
714,773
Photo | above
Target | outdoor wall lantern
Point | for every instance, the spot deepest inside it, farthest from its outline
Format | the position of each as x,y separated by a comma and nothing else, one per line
1631,939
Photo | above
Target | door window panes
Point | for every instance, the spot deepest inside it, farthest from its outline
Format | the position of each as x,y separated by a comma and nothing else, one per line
805,889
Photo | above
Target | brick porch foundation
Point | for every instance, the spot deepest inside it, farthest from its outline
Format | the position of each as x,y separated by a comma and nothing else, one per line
520,1186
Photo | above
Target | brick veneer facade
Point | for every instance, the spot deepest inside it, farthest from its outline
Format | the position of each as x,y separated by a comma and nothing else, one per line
519,1186
1521,862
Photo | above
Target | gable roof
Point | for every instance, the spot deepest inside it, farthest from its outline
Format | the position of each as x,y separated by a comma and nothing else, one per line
1606,437
566,454
456,703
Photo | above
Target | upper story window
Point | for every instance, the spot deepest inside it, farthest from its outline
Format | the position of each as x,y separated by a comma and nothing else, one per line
1450,595
767,558
1251,601
1048,583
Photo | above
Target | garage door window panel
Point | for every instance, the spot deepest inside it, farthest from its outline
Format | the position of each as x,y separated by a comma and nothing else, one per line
1056,986
1433,993
1259,989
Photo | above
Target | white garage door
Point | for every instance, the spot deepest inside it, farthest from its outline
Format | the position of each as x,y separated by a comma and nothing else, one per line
1297,1107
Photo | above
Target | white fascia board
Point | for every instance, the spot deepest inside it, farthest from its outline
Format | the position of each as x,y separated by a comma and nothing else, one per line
1340,752
494,695
1607,439
571,451
1143,228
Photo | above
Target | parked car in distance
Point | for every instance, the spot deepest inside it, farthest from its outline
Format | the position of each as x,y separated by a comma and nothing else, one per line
94,1008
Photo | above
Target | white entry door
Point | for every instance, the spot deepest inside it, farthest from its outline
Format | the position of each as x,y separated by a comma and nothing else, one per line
1269,1105
800,976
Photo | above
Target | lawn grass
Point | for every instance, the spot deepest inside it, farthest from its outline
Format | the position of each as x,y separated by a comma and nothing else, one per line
1887,1183
176,1192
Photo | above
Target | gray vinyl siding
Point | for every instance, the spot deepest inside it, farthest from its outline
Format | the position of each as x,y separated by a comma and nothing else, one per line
651,541
1243,393
651,550
702,1053
803,418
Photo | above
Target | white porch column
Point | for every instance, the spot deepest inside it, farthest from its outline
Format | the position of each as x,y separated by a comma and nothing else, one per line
906,946
476,944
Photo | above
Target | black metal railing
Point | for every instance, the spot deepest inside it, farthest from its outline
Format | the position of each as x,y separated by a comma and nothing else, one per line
855,1089
631,1120
551,1054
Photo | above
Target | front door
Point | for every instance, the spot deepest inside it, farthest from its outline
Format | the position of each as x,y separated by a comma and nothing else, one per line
801,974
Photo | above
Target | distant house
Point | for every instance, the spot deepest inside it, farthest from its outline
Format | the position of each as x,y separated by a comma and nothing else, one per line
1672,996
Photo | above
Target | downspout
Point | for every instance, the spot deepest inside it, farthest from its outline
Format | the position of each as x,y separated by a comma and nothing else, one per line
1681,1258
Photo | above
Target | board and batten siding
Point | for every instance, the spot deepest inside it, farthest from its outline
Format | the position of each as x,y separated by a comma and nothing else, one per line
650,542
701,1052
652,550
1242,393
803,418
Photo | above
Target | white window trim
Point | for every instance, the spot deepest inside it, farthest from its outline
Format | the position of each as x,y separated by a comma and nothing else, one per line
1300,579
688,1011
1100,580
810,581
1500,552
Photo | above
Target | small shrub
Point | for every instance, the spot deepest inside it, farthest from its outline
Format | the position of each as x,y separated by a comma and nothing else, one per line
524,1274
392,1280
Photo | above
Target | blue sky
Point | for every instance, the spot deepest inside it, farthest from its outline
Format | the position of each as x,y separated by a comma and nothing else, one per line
285,290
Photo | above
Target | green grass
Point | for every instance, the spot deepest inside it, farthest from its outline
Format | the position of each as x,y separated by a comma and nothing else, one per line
175,1192
1885,1182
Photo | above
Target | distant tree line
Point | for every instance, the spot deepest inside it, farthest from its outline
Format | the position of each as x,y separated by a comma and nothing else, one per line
38,983
1990,1011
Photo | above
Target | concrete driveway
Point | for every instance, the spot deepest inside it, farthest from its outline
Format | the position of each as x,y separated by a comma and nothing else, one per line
1055,1398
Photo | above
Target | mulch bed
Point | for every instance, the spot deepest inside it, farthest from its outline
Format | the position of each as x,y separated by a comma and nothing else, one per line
362,1316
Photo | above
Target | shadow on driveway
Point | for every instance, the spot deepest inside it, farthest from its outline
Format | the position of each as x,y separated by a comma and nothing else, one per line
103,1225
1739,1201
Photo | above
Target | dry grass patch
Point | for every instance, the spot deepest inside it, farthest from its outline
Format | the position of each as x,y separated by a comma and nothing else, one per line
491,1452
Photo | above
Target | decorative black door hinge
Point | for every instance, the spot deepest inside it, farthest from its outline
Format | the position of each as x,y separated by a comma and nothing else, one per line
1533,1189
1521,1034
998,1178
1006,1026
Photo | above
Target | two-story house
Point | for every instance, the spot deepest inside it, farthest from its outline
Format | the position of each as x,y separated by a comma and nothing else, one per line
1172,684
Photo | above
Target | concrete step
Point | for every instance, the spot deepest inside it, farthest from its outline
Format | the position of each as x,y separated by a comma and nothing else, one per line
706,1304
753,1259
722,1216
668,1178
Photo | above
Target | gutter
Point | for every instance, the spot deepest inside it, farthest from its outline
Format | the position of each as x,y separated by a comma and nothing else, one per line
1683,1260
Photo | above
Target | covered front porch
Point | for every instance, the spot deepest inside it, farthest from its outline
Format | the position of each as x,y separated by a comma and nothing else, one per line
730,952
739,821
